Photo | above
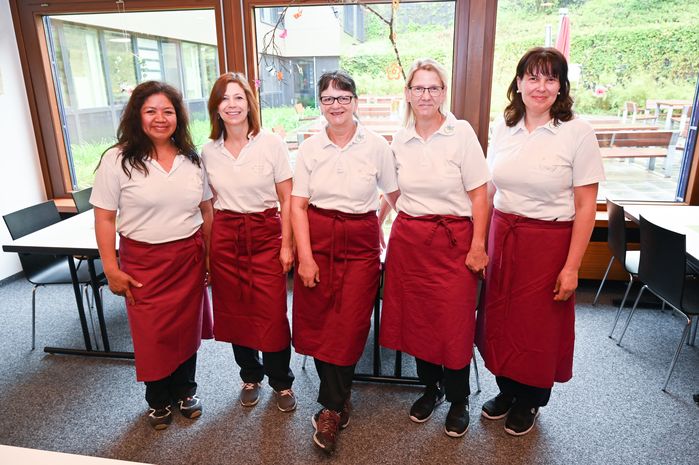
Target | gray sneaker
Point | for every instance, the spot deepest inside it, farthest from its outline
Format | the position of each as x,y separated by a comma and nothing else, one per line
286,400
250,394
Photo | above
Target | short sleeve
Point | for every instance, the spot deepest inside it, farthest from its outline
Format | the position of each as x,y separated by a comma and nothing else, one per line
588,167
302,176
387,181
207,194
474,168
282,167
106,189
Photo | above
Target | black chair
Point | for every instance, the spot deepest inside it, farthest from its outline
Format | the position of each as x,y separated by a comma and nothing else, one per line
663,269
82,199
41,269
616,240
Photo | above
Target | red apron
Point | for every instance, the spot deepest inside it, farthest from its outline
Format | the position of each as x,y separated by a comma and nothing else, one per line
166,320
248,283
429,301
331,321
522,333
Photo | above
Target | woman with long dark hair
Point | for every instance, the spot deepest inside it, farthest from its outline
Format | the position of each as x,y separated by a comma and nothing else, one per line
333,208
151,188
546,168
251,243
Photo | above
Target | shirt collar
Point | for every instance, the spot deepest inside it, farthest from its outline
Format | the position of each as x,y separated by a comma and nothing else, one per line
447,128
251,138
358,138
521,127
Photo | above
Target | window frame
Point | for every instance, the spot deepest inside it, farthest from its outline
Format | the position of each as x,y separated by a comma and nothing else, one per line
474,41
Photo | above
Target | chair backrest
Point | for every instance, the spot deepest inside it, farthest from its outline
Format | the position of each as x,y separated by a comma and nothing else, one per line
30,219
26,221
82,199
616,231
662,266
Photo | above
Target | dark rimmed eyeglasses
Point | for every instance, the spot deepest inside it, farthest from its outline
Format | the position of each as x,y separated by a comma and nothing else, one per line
417,91
342,99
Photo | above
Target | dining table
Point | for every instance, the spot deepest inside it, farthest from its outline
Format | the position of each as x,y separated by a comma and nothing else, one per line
74,236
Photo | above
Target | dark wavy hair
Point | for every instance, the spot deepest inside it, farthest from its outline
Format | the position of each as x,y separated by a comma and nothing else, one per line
134,144
551,63
216,97
340,80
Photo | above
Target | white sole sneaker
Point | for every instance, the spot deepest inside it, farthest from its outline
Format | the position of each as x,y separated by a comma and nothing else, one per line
522,433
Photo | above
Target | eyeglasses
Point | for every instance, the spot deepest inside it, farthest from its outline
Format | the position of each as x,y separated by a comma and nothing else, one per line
343,99
418,91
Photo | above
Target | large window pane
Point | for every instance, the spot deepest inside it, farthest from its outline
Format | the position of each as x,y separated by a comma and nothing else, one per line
100,58
312,40
633,69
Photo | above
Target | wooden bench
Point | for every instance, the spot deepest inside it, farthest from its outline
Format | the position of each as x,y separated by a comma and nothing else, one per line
649,144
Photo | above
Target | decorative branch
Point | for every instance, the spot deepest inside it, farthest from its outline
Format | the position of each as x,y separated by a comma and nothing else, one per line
270,48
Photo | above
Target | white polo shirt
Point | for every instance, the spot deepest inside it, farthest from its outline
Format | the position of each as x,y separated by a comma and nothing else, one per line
247,184
434,174
157,208
345,179
535,173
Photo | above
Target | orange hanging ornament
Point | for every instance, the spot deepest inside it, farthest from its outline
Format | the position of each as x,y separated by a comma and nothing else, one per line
280,75
393,71
298,13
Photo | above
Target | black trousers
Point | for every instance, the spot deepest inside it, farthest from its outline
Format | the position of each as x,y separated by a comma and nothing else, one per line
179,385
455,382
335,384
273,364
530,396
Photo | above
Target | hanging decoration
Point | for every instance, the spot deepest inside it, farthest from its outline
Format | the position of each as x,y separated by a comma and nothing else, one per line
258,83
283,34
394,71
298,13
395,4
280,75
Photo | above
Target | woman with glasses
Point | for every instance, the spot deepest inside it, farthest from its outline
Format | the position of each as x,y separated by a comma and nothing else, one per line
436,251
151,188
546,167
251,244
333,211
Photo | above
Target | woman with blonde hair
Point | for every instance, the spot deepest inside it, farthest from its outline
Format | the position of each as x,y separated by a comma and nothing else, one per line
436,252
251,243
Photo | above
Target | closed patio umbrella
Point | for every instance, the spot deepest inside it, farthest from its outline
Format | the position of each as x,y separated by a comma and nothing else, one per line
563,39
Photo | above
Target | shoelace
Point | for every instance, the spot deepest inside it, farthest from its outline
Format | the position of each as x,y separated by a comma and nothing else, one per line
328,423
249,386
286,392
152,412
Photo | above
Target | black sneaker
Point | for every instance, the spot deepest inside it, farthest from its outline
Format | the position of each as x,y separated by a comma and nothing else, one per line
521,419
422,409
190,407
327,427
457,419
160,418
497,407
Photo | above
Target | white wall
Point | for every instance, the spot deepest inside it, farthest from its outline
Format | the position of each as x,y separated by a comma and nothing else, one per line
21,184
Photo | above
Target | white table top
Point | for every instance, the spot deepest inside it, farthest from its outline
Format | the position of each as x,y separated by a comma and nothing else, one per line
72,236
679,218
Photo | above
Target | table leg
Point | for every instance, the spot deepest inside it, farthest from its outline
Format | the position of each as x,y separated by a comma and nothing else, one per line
94,283
79,301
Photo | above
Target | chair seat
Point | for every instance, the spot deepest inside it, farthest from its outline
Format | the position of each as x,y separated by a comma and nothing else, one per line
632,259
58,272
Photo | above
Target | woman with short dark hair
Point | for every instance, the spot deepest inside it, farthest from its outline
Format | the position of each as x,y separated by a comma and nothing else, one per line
546,168
333,206
150,187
